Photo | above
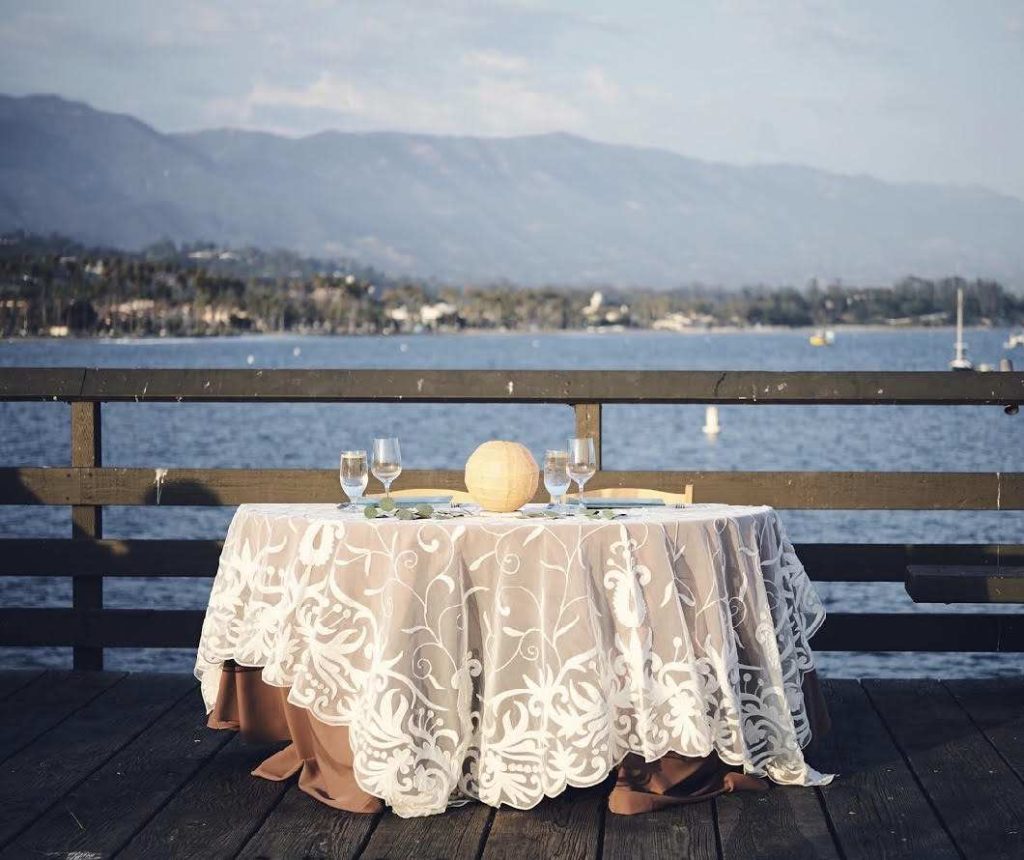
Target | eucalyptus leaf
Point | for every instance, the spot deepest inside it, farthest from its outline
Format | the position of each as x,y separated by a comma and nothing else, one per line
371,511
405,514
387,505
425,511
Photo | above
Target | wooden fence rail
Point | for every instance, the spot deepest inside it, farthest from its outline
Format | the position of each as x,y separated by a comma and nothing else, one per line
87,486
109,385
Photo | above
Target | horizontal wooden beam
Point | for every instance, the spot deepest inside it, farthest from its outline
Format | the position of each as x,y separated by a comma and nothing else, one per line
851,562
513,386
954,583
141,557
985,491
924,631
41,383
825,562
102,628
180,628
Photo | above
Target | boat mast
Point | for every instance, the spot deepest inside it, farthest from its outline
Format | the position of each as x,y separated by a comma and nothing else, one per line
960,360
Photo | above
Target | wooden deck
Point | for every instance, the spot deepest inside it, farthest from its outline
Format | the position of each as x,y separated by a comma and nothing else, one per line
102,764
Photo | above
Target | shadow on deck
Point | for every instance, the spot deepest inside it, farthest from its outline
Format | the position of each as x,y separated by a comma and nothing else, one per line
101,764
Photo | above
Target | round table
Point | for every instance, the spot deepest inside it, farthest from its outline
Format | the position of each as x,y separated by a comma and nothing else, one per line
503,657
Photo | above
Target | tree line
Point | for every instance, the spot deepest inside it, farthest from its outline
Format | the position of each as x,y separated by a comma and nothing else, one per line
50,285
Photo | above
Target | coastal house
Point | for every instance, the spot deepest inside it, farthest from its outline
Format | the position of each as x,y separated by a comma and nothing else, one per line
598,315
439,314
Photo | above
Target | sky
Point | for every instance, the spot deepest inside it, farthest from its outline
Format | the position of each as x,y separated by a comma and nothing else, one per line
905,90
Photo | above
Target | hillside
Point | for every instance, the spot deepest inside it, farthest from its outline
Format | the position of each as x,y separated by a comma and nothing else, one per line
550,208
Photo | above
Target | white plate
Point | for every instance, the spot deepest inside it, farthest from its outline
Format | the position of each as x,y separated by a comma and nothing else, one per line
407,501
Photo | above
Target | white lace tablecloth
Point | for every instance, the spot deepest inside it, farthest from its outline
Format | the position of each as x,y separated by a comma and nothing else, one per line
504,658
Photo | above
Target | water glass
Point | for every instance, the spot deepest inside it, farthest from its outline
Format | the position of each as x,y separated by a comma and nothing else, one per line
353,473
387,462
582,462
556,477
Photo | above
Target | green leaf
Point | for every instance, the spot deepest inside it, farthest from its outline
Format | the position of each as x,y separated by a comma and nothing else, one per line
405,514
371,511
425,511
387,504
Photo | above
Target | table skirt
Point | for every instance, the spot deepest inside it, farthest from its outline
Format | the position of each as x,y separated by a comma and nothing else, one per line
322,756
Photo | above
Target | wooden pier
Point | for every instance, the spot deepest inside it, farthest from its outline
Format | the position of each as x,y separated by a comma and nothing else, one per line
96,764
103,764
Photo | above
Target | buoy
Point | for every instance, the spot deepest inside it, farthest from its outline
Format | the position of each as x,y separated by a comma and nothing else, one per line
249,359
711,425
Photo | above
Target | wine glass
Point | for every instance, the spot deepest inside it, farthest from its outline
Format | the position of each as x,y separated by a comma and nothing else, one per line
556,477
387,462
581,462
353,474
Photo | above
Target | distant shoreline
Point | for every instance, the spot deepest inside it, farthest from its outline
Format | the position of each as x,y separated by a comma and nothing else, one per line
853,328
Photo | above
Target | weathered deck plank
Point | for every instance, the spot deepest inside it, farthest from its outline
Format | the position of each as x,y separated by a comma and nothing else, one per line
780,824
568,826
49,699
458,834
216,812
102,813
44,771
997,707
300,826
975,792
681,831
12,680
876,807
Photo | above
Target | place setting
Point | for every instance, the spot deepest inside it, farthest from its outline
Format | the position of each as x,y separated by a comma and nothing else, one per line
501,480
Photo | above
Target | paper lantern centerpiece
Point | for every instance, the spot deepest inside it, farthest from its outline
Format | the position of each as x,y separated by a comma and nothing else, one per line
501,476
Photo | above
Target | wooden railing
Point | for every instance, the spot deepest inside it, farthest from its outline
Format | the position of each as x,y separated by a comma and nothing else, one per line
87,486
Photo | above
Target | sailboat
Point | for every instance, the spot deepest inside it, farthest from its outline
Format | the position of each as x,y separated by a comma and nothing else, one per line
960,360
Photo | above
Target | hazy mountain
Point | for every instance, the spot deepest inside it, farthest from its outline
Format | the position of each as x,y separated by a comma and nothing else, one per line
532,209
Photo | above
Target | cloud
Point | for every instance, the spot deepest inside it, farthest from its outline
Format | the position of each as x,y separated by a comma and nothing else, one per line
514,106
325,93
600,87
812,25
503,104
495,61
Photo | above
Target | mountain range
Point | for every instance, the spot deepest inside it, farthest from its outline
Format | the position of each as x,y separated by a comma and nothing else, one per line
552,208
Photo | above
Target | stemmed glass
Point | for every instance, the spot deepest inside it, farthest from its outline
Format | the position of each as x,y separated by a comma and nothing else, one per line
556,477
582,462
387,462
353,475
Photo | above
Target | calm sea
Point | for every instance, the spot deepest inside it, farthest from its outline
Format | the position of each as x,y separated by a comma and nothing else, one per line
636,437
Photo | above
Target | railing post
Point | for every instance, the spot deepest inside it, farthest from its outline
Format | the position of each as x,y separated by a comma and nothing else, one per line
588,423
86,520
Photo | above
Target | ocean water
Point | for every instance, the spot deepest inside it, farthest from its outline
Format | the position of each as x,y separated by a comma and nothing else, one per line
871,438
